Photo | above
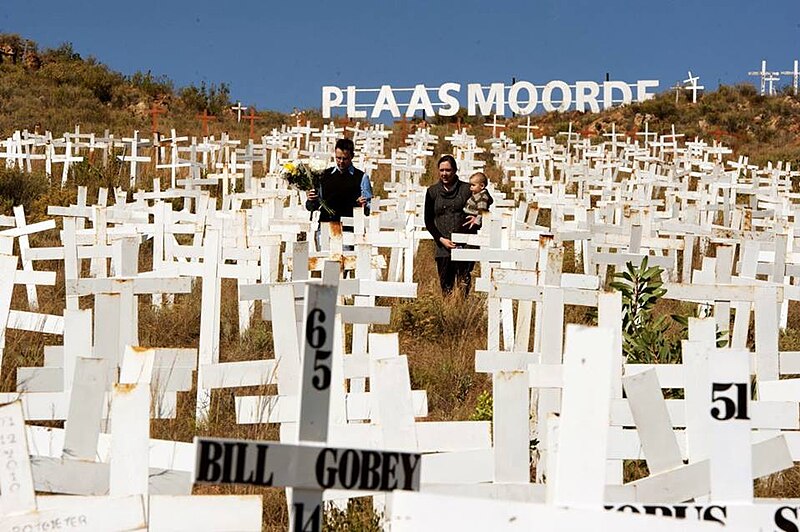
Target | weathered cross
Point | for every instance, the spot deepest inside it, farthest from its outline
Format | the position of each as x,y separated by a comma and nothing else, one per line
204,118
154,111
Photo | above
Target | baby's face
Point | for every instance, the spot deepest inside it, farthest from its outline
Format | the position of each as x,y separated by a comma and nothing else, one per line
475,185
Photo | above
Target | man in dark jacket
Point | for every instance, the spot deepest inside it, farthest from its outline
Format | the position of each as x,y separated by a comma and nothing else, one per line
341,187
444,215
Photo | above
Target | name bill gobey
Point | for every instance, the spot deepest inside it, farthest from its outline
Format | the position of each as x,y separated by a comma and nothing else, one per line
225,461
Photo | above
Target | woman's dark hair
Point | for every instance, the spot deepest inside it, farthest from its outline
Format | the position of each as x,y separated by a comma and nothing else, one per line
450,159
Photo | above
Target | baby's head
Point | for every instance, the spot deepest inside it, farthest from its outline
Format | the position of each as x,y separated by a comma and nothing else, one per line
477,182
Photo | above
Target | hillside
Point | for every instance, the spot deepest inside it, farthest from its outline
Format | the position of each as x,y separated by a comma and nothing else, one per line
55,89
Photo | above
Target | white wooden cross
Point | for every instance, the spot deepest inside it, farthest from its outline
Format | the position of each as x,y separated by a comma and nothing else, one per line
765,76
795,73
495,125
134,158
677,88
239,108
692,85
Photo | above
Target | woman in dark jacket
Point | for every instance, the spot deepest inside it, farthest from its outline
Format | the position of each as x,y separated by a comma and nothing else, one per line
444,215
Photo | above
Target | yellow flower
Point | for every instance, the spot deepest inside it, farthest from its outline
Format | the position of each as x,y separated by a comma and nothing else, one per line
290,167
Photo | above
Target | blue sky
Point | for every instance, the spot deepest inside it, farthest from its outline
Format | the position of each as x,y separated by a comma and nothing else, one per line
278,55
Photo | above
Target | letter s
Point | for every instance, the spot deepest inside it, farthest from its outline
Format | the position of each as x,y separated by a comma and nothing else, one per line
783,522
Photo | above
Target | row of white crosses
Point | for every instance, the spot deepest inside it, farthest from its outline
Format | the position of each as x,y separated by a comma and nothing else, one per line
225,159
768,78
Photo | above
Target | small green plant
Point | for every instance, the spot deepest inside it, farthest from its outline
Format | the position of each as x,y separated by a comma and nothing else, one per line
644,336
646,339
483,407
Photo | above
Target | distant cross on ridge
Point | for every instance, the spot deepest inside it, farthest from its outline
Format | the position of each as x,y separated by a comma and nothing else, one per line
494,125
204,118
693,86
795,73
297,114
239,108
771,79
678,88
765,76
154,111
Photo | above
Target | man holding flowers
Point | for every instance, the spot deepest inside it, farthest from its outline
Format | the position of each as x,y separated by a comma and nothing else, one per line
340,188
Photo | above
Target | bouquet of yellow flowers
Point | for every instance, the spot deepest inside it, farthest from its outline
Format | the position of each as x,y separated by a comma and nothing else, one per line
305,177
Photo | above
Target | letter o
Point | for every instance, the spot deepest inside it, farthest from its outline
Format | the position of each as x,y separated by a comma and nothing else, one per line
513,97
566,96
349,475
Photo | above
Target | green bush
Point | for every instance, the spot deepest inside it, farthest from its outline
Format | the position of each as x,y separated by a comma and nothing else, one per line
644,336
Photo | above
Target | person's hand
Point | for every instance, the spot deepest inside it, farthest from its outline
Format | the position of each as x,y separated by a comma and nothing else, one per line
471,221
361,201
312,195
446,242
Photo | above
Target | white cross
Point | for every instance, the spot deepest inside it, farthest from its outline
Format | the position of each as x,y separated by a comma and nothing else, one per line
239,108
677,87
134,157
693,86
764,75
647,134
771,79
795,73
494,125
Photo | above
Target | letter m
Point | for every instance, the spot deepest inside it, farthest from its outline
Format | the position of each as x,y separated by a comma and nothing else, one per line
495,98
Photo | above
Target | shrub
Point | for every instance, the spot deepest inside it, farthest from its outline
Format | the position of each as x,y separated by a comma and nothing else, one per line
20,188
644,337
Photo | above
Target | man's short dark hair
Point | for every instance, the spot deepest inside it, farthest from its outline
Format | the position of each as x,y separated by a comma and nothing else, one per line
345,145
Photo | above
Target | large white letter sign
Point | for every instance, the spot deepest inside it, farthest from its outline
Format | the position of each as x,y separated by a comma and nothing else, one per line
385,102
451,106
641,89
547,96
331,97
420,101
586,92
494,99
608,93
351,104
513,98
